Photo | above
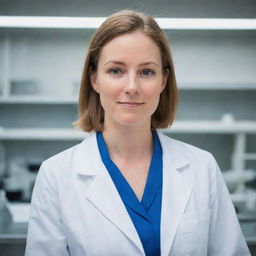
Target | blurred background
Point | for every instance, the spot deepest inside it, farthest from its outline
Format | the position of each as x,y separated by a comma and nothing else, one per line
40,71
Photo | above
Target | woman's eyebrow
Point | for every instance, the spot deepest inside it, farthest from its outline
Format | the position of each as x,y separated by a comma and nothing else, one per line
122,63
114,62
149,63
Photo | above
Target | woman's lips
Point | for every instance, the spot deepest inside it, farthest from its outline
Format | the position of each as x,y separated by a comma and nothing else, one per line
131,104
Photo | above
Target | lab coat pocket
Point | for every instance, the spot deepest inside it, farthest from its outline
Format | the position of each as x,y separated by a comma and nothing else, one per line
195,229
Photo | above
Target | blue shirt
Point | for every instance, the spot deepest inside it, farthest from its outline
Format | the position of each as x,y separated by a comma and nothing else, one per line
145,214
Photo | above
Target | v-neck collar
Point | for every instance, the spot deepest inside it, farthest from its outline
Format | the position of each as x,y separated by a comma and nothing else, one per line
154,179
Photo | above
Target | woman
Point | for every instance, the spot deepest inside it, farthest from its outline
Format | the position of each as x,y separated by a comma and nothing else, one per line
127,189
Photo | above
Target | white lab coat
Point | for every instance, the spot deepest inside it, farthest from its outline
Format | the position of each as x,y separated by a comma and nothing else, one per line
76,209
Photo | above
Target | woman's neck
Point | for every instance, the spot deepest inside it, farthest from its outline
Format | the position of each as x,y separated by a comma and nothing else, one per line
128,142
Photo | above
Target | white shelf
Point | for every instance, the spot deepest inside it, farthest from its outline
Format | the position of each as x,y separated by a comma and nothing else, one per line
35,99
41,134
178,127
94,22
250,156
213,127
216,86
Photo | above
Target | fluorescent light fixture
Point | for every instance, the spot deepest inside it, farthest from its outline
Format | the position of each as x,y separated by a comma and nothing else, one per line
94,22
218,24
50,22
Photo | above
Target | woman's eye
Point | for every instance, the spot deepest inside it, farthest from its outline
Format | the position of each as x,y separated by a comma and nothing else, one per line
147,72
115,71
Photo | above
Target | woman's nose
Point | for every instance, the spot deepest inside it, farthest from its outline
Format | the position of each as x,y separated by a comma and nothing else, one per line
132,86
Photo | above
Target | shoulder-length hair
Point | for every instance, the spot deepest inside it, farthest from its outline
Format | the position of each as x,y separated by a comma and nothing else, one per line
91,113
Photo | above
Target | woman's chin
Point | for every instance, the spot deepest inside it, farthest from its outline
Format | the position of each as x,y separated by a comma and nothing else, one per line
127,121
134,123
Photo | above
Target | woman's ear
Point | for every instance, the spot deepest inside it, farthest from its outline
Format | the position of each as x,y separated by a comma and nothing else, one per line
93,80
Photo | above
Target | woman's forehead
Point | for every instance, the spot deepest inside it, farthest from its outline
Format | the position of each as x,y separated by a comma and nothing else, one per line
131,47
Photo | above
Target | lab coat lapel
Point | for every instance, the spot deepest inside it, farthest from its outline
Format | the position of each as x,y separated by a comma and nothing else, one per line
176,191
102,192
104,196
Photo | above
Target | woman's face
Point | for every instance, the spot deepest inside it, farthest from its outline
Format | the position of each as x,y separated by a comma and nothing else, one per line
129,80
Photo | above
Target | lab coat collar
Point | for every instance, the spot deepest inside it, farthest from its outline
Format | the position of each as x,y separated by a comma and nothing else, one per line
104,196
84,164
179,156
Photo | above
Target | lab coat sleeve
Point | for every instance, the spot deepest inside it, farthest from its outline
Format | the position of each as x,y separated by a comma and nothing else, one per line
225,237
45,230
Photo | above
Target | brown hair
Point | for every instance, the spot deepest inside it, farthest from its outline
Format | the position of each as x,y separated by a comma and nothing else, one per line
126,21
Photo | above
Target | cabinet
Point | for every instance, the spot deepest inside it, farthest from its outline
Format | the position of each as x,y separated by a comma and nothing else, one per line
39,81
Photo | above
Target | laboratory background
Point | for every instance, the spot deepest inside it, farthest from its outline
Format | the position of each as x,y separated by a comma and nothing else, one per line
42,51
